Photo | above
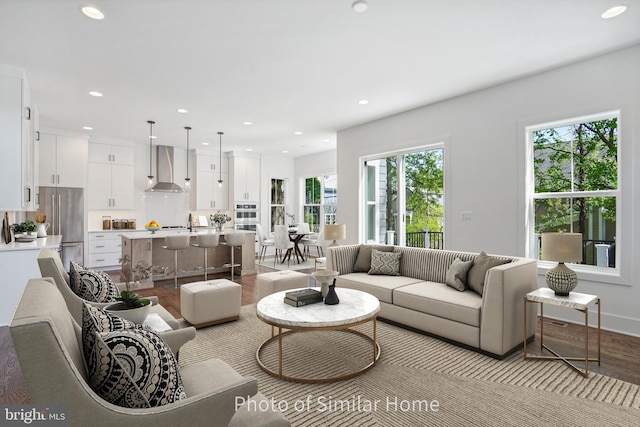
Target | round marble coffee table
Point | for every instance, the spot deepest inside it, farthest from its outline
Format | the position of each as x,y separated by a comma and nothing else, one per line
355,308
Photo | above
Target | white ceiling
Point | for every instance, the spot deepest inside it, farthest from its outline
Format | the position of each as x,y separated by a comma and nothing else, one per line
285,65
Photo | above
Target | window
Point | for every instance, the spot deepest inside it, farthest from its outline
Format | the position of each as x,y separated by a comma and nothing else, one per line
277,208
412,183
320,201
574,176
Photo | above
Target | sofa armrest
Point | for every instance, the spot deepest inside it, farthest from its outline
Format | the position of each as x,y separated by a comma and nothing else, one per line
502,316
342,258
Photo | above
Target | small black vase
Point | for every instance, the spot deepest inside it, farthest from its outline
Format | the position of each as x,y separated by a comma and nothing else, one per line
332,297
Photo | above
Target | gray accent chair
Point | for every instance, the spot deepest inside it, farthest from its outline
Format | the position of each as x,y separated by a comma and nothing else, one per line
48,345
51,266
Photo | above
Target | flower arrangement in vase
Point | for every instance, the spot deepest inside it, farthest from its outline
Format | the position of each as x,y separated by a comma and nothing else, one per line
219,219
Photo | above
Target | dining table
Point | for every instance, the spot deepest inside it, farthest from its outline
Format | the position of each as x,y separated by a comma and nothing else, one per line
296,237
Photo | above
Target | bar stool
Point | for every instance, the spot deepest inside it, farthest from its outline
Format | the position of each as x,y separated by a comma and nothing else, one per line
176,243
206,241
233,240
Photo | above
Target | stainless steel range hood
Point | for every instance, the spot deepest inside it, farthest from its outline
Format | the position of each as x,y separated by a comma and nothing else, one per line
165,171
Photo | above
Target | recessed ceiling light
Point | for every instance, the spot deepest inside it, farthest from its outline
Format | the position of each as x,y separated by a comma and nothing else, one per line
152,137
297,133
326,140
613,12
94,93
205,143
249,149
285,151
363,102
92,12
359,6
247,123
87,128
182,110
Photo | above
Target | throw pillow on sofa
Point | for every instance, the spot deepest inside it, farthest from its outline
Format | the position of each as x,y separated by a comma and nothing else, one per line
385,263
138,370
477,273
92,285
457,274
363,260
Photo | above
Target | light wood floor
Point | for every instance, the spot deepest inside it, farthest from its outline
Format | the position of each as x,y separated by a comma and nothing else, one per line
620,353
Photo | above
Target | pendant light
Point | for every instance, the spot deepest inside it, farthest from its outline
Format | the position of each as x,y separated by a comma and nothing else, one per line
187,180
220,168
150,176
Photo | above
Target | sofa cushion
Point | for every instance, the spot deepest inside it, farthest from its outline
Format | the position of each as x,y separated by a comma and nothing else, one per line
477,273
457,274
363,261
378,286
385,263
440,300
92,285
429,264
137,370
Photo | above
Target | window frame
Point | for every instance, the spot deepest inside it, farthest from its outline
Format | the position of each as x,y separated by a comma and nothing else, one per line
322,211
584,271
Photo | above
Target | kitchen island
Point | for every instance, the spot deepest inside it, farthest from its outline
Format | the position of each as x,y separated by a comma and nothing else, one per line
147,247
19,263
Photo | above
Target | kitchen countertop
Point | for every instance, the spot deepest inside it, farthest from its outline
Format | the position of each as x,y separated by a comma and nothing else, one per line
50,242
161,234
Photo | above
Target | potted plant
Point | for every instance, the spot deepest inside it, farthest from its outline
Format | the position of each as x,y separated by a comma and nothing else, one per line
130,305
28,227
292,222
219,219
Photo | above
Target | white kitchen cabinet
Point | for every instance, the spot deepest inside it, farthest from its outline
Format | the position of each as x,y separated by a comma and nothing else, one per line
206,194
105,250
110,184
63,160
16,143
246,179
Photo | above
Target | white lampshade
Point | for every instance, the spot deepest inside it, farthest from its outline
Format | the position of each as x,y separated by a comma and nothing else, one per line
562,247
335,232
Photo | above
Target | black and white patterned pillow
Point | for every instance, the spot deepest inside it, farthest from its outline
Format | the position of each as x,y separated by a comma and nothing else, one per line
92,285
136,370
385,263
95,319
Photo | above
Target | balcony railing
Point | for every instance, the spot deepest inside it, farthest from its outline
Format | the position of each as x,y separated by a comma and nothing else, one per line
423,239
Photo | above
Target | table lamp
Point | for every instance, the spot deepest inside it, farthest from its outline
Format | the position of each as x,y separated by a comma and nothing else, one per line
562,247
335,232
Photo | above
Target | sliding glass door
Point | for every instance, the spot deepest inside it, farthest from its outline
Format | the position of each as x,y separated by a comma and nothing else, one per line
404,198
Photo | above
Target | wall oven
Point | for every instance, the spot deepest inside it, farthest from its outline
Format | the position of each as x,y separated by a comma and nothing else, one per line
246,213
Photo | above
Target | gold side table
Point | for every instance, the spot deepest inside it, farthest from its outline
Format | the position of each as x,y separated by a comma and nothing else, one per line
576,301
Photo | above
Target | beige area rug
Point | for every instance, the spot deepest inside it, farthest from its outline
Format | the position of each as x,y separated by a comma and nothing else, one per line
414,374
293,265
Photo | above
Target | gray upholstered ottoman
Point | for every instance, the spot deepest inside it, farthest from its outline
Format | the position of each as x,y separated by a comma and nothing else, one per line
211,302
277,281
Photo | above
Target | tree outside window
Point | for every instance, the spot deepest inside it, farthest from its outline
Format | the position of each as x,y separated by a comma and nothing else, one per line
277,202
575,168
320,201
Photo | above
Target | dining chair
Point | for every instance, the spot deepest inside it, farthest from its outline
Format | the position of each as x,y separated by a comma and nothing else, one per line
282,242
315,240
263,241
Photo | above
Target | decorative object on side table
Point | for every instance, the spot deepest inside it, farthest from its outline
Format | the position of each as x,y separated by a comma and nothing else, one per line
219,219
335,232
130,305
332,297
325,277
562,247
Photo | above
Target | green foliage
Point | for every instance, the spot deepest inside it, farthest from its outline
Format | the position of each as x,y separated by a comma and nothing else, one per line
141,271
312,191
24,227
580,157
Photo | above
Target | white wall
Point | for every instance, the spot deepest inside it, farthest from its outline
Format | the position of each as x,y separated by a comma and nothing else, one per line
484,164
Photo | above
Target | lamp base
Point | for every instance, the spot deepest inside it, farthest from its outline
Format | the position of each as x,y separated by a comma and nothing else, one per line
561,279
332,244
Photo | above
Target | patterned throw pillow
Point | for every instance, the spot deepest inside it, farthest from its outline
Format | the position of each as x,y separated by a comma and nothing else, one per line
137,370
92,285
457,274
385,263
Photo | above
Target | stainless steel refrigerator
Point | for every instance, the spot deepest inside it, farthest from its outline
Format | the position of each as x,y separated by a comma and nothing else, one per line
64,208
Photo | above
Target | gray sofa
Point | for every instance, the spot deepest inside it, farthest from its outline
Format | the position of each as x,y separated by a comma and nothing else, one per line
48,345
492,323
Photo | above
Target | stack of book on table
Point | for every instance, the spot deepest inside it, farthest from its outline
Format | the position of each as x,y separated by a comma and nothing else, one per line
303,297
